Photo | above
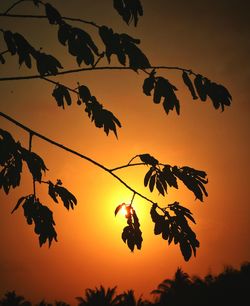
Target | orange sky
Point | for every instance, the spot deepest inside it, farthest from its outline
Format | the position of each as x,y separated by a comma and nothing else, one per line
209,37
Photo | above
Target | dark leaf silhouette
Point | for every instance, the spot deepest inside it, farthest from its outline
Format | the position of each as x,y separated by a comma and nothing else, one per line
200,87
148,175
176,228
2,60
219,95
10,42
84,93
52,14
113,44
122,45
24,49
193,179
46,64
68,199
64,32
129,10
148,159
149,84
118,208
42,218
189,84
131,234
102,117
35,164
137,59
19,202
17,44
169,177
10,162
61,94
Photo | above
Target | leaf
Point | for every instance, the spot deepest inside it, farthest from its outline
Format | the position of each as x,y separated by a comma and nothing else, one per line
85,39
10,42
19,202
152,182
185,249
187,81
84,93
148,159
159,187
200,87
68,199
118,208
148,175
2,60
102,117
219,95
35,164
64,32
137,59
42,218
113,44
52,192
61,93
52,14
129,10
46,64
148,85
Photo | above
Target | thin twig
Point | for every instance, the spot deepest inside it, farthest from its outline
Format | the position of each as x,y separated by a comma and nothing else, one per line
45,17
28,77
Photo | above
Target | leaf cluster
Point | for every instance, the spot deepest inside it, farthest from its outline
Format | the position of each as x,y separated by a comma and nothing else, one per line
130,10
17,45
55,190
163,89
123,45
175,228
12,156
164,176
131,234
80,44
41,216
102,117
200,87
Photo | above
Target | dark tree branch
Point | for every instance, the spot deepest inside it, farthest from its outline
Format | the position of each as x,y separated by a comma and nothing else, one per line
28,77
45,17
30,131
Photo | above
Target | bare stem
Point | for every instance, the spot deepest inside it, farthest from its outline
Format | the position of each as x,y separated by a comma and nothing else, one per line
45,17
28,77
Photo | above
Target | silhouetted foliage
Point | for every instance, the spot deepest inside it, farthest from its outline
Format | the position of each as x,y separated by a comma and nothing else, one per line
229,288
12,299
131,234
170,221
130,10
12,155
98,297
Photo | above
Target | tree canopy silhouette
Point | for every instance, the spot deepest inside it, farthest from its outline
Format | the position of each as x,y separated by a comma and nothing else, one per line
171,221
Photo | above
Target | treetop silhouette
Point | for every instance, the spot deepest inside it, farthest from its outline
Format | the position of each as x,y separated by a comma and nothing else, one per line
171,221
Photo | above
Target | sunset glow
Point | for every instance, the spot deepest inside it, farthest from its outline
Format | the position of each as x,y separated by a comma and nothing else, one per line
90,252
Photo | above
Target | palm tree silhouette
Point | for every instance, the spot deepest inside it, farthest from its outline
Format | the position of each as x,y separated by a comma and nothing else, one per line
173,290
12,299
98,297
128,299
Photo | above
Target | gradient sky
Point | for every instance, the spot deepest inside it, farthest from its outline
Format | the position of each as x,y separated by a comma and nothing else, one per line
210,37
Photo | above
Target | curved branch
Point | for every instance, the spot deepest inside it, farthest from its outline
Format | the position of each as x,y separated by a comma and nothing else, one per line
45,17
28,77
77,154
